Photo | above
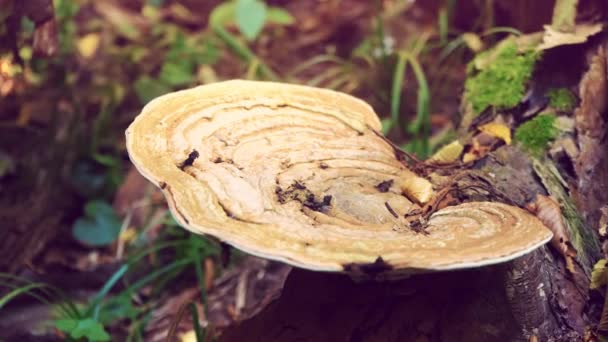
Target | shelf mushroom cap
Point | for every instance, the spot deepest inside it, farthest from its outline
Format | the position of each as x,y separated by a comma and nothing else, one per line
300,174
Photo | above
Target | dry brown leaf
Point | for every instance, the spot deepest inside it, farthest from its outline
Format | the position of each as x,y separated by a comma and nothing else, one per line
554,38
478,150
549,213
209,266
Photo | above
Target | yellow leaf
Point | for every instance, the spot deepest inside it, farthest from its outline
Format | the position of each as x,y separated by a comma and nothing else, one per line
88,44
189,336
150,12
128,235
448,153
469,157
599,275
497,130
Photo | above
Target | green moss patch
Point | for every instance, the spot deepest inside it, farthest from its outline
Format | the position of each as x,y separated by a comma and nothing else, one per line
501,81
534,135
561,99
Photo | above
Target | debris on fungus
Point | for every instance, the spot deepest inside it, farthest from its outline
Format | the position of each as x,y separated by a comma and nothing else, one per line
535,135
448,153
500,82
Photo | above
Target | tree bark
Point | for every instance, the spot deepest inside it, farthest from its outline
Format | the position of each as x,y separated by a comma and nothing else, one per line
534,296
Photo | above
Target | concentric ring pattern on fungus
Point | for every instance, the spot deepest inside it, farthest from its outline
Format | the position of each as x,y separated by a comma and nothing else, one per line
299,174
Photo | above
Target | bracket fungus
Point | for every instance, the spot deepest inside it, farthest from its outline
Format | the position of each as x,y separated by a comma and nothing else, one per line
300,174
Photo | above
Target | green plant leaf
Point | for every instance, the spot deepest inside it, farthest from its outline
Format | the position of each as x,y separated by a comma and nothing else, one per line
90,329
106,160
387,125
222,14
27,25
99,227
148,88
66,325
397,87
206,53
250,16
87,328
155,3
277,15
176,74
117,308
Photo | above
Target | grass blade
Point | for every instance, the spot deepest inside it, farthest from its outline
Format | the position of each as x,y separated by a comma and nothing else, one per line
422,124
96,302
19,291
198,331
397,85
243,52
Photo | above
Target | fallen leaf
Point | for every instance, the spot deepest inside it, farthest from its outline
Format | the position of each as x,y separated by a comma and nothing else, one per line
570,264
448,153
599,275
554,38
209,273
128,235
189,336
549,213
497,130
603,224
87,45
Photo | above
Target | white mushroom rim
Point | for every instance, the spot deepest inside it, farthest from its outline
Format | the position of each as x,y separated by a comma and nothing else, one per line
299,174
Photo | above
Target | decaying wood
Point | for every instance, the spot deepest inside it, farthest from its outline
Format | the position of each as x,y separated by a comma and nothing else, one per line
591,119
533,297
